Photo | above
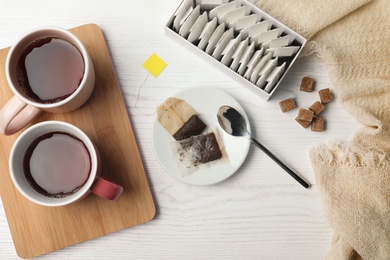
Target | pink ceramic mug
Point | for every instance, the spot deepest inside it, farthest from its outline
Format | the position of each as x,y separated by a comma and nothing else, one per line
31,186
21,108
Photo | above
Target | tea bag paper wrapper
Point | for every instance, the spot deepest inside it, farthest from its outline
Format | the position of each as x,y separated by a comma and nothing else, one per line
229,50
255,58
256,29
281,69
234,15
270,85
219,11
242,46
251,64
245,22
245,58
221,45
267,36
282,41
207,5
283,51
256,72
197,28
274,76
265,71
211,2
206,33
269,66
182,13
277,72
261,82
185,158
183,8
189,22
219,31
278,42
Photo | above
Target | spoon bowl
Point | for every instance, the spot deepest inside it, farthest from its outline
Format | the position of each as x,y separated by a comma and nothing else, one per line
233,123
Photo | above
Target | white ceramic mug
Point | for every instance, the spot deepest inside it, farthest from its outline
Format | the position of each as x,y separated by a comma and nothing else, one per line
94,183
21,109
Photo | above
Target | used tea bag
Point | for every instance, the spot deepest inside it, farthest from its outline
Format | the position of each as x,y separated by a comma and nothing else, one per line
199,152
179,118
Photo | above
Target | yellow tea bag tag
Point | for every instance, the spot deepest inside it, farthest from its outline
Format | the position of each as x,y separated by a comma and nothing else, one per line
154,65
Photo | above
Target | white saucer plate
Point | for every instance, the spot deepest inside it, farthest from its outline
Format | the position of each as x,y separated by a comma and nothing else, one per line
206,102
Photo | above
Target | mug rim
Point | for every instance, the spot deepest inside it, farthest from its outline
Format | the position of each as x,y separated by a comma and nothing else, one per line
59,126
79,45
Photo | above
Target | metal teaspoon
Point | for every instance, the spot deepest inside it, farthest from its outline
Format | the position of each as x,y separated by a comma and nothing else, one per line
233,123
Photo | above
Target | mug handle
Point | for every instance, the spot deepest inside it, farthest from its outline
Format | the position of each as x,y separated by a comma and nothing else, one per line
106,189
15,115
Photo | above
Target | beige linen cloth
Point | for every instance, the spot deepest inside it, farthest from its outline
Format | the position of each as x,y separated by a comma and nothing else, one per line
352,37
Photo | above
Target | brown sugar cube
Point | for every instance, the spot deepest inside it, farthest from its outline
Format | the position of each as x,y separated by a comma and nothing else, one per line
287,105
307,84
318,124
304,124
325,95
305,115
317,108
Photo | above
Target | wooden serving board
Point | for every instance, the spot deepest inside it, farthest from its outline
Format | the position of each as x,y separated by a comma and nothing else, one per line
37,230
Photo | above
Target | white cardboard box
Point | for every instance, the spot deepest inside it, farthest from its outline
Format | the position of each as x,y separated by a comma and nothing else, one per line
251,9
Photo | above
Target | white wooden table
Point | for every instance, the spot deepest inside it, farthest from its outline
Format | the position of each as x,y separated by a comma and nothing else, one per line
260,212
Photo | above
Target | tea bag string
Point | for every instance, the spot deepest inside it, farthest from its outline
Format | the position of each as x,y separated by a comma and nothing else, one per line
138,95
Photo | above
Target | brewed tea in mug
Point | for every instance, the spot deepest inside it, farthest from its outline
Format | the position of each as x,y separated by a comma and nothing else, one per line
57,164
49,69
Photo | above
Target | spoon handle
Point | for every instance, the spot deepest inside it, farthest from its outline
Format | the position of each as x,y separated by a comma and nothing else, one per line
288,170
